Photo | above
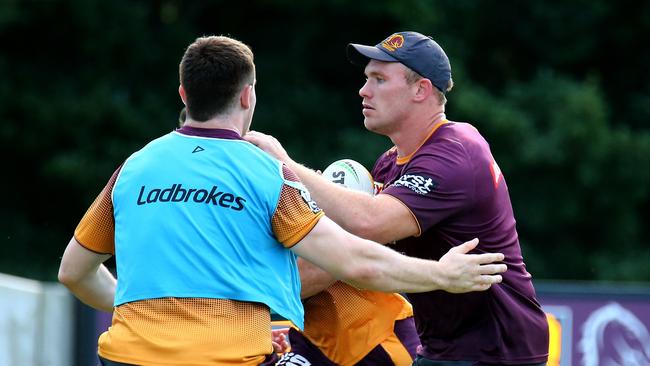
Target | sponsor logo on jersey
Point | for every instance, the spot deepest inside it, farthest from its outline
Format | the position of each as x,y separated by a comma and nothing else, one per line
177,193
310,202
304,193
419,184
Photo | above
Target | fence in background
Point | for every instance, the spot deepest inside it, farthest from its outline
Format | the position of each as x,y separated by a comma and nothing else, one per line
36,323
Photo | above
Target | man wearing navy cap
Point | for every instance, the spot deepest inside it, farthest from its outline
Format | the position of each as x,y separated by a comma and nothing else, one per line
440,187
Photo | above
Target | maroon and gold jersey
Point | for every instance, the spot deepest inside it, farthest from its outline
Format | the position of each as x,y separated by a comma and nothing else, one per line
456,191
346,323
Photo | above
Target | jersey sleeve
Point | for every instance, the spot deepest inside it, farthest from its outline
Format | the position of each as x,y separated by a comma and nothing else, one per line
436,184
96,230
296,213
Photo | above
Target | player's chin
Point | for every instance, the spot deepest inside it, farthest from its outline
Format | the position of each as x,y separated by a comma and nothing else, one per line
370,124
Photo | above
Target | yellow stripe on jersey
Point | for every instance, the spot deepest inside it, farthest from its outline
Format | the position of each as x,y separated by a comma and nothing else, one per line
401,160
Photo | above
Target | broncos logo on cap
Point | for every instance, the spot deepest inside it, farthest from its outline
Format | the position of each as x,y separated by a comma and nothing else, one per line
393,42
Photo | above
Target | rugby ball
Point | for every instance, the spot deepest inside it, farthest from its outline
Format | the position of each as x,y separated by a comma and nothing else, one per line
350,174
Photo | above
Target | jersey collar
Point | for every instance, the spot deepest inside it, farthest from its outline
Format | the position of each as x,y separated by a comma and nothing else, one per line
401,160
209,132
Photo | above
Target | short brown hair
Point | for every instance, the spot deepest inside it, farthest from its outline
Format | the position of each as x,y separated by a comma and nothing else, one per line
412,76
212,72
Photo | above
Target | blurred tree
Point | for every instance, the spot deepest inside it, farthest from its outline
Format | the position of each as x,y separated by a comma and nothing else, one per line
80,91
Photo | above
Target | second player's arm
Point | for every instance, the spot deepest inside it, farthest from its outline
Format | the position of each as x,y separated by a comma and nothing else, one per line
364,264
313,278
82,272
381,218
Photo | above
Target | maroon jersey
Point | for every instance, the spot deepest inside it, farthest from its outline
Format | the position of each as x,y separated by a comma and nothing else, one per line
457,192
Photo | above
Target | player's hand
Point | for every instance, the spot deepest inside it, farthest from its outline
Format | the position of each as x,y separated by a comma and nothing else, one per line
279,340
267,143
470,272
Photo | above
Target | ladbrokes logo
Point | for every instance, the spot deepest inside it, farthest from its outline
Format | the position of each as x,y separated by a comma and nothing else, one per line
176,193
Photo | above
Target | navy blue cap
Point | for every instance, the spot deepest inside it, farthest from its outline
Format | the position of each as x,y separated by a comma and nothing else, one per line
414,50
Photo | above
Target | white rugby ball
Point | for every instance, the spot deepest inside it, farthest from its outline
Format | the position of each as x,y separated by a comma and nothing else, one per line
350,174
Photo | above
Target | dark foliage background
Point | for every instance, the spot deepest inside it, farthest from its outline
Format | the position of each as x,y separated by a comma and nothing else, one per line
559,88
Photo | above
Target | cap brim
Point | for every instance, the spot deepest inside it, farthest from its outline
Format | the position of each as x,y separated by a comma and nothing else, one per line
359,54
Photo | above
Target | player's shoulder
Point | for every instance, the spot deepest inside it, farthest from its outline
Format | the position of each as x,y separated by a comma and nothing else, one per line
446,153
457,132
388,156
453,138
384,163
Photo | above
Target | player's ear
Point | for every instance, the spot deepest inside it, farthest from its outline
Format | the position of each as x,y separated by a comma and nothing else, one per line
424,89
246,95
181,92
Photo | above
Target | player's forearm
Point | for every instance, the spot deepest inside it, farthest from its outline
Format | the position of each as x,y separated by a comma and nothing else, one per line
96,290
383,269
364,263
456,271
351,209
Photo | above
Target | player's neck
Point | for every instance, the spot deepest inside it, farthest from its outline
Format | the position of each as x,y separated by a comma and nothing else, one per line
414,133
228,123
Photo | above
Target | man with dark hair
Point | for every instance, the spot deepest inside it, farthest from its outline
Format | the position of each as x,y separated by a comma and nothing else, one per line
205,229
441,187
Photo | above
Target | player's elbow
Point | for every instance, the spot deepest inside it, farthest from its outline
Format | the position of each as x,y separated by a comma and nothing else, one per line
67,277
363,227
